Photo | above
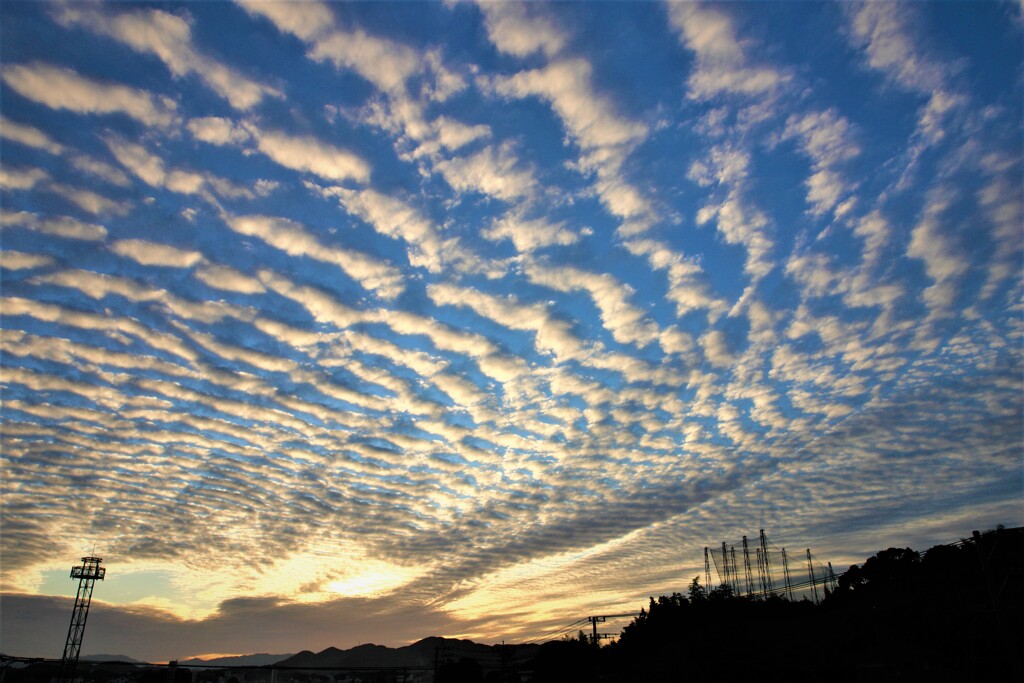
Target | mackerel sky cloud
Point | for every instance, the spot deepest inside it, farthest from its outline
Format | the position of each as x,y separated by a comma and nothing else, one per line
474,319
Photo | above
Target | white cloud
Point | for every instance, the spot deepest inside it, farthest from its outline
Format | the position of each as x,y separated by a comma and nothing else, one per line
627,323
824,190
590,118
151,169
721,64
745,225
101,170
305,20
383,62
19,260
720,78
724,164
60,226
169,38
322,306
452,134
229,279
60,88
826,138
156,254
943,260
721,68
89,201
814,271
688,286
706,31
530,234
408,80
933,114
552,336
429,137
442,81
21,178
1002,200
441,336
227,189
148,167
265,187
605,138
394,218
293,239
306,153
100,285
884,31
217,130
100,322
184,182
231,352
519,29
28,135
492,171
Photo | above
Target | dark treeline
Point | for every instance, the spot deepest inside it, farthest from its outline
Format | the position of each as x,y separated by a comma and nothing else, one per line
953,613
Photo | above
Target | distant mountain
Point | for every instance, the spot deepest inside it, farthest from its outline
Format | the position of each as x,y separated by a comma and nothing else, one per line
421,653
261,659
109,658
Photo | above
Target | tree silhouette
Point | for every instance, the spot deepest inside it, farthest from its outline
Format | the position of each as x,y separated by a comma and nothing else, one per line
953,613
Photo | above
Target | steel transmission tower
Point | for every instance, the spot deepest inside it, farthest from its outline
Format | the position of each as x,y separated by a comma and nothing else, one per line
87,576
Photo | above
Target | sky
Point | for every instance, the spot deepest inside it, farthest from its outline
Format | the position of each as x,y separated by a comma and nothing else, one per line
326,324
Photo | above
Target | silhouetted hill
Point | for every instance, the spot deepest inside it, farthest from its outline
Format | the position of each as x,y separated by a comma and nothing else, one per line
261,659
108,658
423,653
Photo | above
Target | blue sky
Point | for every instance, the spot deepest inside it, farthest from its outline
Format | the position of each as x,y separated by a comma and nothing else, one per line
473,319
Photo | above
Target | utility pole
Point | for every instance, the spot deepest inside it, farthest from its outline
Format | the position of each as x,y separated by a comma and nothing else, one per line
760,573
88,574
594,621
735,570
746,567
707,571
725,562
596,637
785,572
810,572
767,564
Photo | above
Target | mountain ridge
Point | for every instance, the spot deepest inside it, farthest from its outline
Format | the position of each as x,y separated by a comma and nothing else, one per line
259,659
423,653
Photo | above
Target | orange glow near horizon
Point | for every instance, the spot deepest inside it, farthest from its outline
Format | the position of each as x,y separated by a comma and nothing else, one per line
208,656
